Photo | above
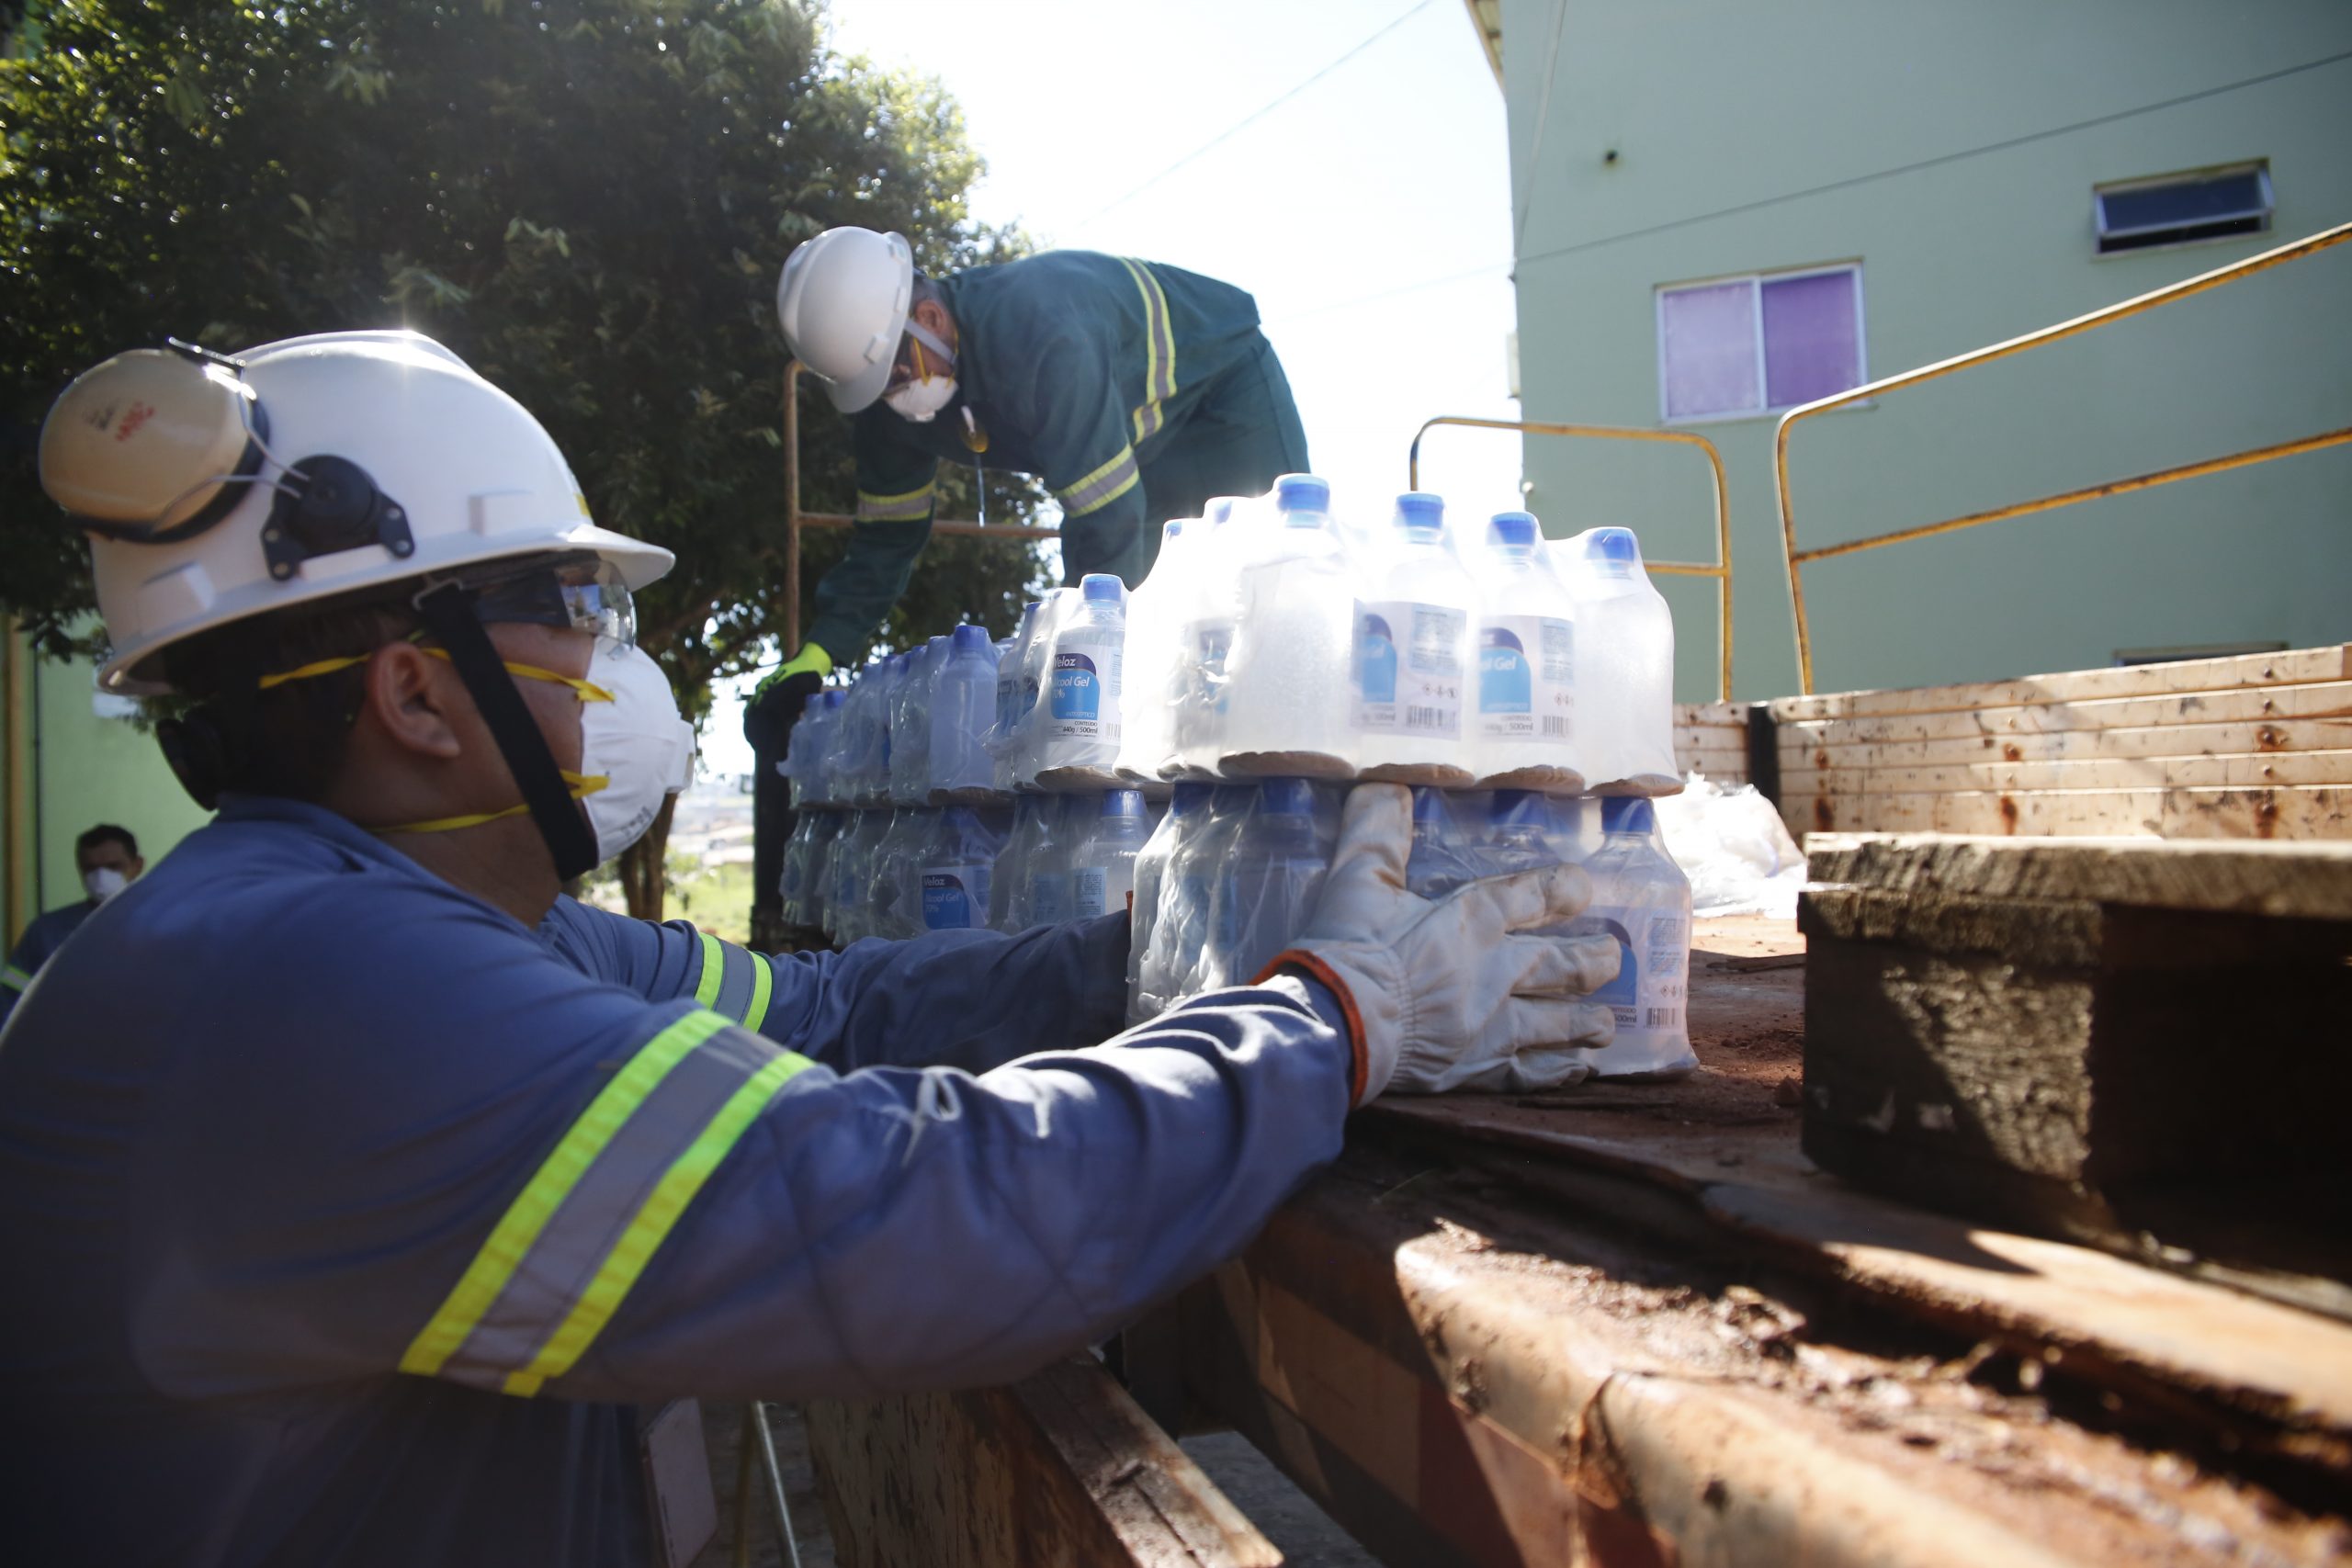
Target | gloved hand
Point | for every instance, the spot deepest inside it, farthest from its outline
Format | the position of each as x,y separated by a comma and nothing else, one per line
777,702
1443,994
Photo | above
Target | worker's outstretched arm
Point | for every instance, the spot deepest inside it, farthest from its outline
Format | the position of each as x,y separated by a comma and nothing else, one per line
895,482
970,1000
493,1170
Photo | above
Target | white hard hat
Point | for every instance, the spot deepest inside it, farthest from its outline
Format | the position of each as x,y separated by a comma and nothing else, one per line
215,490
842,300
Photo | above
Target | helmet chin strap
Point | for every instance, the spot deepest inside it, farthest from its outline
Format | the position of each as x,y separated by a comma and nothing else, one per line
447,612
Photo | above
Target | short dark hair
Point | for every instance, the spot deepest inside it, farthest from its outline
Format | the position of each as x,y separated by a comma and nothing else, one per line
105,833
289,739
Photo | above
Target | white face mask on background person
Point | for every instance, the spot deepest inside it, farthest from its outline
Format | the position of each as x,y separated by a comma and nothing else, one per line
103,882
636,744
920,400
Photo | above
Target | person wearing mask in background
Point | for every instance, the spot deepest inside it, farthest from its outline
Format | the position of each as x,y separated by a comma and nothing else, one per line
1137,391
107,858
365,1194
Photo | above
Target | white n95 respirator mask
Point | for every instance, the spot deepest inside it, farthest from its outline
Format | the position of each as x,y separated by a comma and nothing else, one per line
634,749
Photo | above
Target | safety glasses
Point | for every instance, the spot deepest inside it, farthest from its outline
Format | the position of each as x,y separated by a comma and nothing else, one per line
584,594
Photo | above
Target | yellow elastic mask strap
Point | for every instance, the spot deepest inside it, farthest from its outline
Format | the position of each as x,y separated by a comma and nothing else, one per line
582,786
589,691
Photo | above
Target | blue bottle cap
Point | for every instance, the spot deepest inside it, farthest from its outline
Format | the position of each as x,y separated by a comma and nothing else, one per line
1170,529
1219,511
1102,588
835,698
1418,511
970,639
1286,797
1628,814
1231,797
1514,529
1516,807
1616,545
1122,803
1429,805
937,646
1303,492
1189,796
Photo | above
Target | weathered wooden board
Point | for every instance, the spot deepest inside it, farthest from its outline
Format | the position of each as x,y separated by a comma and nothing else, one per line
2296,667
1059,1470
2252,772
2108,1041
2249,705
1799,752
2321,812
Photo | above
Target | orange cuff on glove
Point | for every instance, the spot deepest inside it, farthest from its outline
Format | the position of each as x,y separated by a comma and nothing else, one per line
1316,969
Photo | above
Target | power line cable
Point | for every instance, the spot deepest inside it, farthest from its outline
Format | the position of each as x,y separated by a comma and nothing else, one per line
1254,116
2003,146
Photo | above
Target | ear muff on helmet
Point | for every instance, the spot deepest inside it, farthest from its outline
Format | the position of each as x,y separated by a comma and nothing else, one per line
154,446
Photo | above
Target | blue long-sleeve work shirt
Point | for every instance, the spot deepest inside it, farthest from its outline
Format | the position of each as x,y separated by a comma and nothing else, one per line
348,1220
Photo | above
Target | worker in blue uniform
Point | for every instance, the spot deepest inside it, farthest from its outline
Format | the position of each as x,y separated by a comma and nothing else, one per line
1137,391
358,1188
107,857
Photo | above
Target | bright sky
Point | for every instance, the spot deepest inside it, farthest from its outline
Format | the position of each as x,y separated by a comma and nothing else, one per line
1370,212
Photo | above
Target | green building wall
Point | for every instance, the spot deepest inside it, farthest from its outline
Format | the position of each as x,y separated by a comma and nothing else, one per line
82,769
1951,150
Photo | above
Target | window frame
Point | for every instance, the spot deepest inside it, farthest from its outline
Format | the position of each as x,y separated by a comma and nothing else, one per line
2258,167
1756,281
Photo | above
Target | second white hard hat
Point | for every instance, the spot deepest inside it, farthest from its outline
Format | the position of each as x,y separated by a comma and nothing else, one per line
842,301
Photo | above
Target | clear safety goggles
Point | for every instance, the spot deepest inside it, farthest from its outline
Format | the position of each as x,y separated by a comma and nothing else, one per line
582,593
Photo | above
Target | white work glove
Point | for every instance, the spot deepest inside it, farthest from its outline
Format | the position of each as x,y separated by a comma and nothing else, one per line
1443,996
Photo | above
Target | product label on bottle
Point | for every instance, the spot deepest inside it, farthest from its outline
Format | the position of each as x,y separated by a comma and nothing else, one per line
955,898
1408,668
1049,898
1090,892
1526,677
1085,699
1647,991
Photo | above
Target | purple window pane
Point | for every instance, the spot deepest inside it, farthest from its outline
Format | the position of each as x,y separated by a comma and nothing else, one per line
1710,350
1810,346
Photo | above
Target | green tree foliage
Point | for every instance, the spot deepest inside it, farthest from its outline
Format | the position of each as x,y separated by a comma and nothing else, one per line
587,199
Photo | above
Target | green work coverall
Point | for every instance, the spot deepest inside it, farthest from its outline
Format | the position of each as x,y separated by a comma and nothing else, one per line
1136,391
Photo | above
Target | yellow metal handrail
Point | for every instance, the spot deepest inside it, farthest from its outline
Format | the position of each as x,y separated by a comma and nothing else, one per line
1721,571
2132,307
794,519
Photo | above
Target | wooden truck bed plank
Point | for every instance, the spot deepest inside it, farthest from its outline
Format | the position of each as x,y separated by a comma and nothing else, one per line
1506,1329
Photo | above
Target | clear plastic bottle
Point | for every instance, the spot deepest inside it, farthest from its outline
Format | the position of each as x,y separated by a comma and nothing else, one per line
851,905
894,887
1269,882
1641,898
1009,881
1012,700
910,724
1527,735
1082,747
803,754
1102,856
792,886
1187,812
1189,908
1046,900
1155,675
1289,678
1413,620
1628,665
1445,849
961,699
1036,679
955,862
817,870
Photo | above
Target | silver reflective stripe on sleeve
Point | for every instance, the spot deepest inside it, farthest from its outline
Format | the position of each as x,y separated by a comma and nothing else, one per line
1101,487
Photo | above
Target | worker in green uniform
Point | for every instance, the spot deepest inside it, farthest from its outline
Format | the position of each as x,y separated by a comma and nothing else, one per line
1136,391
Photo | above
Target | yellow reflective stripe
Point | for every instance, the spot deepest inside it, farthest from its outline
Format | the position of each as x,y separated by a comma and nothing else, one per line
714,968
911,507
1101,487
589,691
762,987
316,667
651,1225
1160,349
520,1226
14,978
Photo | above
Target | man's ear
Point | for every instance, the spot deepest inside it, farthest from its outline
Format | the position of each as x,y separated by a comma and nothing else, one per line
934,319
407,692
